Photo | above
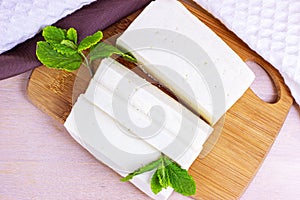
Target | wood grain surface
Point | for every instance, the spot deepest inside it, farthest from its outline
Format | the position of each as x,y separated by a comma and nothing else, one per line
247,135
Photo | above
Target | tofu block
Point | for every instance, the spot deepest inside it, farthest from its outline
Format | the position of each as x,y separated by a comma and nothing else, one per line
101,135
184,55
147,112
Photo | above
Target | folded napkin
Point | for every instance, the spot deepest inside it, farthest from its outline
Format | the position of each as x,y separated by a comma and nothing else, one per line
39,13
20,20
271,28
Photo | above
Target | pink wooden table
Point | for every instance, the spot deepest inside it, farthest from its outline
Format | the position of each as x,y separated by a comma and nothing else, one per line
39,160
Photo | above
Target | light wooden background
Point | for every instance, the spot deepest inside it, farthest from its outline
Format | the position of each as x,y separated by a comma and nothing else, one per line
39,160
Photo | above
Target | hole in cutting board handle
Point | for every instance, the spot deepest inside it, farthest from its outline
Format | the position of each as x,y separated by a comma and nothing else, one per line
263,85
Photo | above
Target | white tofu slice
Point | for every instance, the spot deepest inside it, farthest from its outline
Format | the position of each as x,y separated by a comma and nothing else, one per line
102,137
183,54
128,99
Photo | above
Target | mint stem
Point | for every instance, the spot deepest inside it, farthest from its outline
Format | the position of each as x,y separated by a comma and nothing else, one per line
87,64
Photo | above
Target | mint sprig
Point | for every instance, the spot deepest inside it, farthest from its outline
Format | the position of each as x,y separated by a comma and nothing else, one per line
167,174
61,49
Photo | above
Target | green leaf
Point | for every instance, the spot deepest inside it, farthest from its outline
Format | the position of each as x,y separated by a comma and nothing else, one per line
151,166
51,58
162,174
155,185
180,180
129,57
90,41
53,35
63,49
103,50
69,43
72,35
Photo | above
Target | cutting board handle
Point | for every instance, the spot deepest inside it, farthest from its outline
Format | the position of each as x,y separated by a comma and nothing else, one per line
283,93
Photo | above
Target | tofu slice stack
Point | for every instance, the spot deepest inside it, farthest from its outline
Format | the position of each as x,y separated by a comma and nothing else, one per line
98,126
176,48
127,98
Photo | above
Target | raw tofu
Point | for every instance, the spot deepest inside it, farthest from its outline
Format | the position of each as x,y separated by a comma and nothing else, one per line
184,55
102,137
127,98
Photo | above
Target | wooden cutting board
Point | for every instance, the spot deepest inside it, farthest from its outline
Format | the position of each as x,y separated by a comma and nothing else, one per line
249,130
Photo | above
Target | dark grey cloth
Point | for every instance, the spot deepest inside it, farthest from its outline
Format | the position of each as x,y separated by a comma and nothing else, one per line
87,20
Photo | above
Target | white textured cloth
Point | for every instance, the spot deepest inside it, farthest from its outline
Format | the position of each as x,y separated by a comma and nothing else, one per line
22,19
271,28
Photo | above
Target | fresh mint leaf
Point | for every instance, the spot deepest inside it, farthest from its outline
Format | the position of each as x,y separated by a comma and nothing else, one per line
63,49
69,43
129,57
53,35
180,180
90,41
53,59
151,166
72,35
155,184
103,50
162,174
